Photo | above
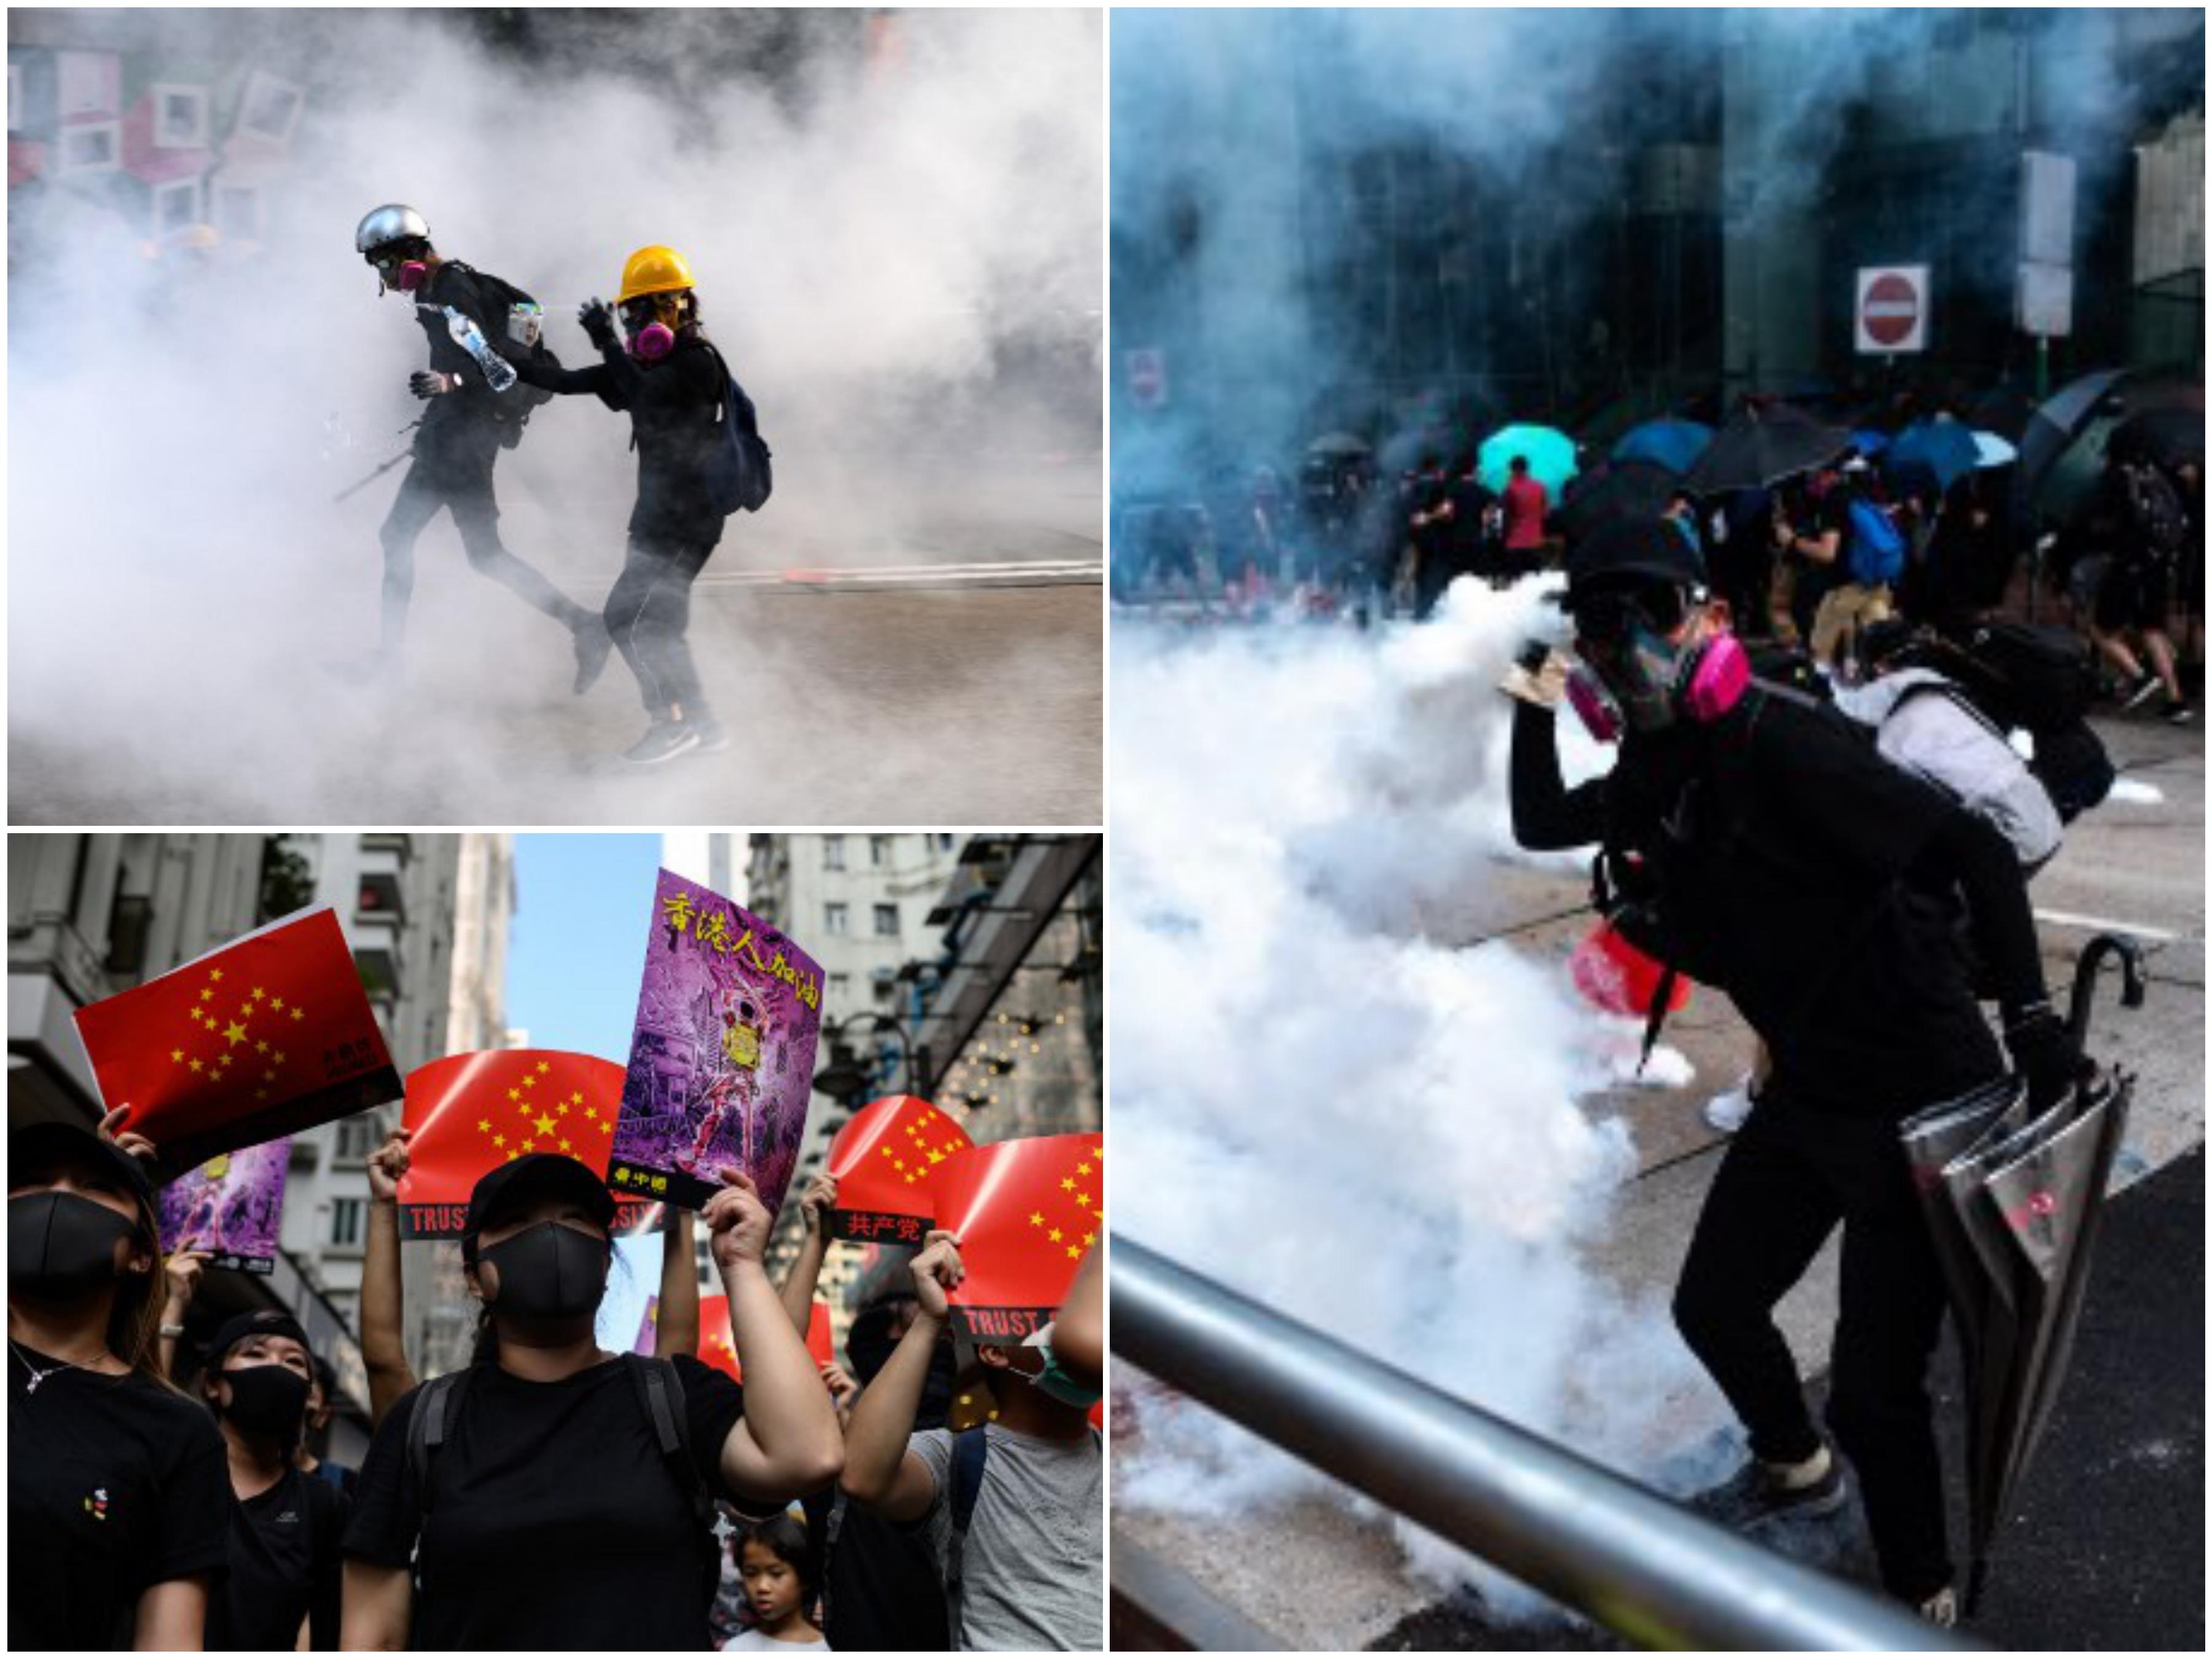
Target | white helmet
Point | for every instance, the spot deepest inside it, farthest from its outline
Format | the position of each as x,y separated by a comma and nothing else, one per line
394,221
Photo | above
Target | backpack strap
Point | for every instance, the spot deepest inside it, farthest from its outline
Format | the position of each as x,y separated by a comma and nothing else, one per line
659,1388
968,1452
427,1426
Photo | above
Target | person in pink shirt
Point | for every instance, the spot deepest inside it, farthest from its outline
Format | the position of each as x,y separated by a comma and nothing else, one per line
1527,501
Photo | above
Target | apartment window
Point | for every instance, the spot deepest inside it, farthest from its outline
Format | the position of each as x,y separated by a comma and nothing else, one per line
345,1221
180,117
836,921
886,992
841,989
880,851
85,83
887,922
833,852
269,108
358,1137
89,148
176,206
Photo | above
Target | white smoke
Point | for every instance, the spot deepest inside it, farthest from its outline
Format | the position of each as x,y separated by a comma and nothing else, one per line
1337,1107
898,249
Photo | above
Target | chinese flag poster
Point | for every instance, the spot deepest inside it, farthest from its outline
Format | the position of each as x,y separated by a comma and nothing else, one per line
883,1161
269,1034
1026,1211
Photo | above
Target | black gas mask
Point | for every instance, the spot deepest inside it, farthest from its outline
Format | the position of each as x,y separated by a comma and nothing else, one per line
62,1245
550,1272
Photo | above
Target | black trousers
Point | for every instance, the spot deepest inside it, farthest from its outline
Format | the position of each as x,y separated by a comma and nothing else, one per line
459,479
647,611
1789,1178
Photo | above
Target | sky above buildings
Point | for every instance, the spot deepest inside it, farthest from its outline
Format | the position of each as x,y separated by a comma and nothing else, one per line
583,904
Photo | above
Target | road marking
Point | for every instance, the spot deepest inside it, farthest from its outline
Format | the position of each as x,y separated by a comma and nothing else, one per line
2105,925
1010,573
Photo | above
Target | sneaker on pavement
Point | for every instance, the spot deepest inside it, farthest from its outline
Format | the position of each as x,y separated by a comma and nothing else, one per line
662,740
1727,1111
592,643
2141,692
712,739
1759,1491
2178,713
1941,1608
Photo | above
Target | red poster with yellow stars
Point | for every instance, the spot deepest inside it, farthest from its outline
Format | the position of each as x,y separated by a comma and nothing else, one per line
882,1162
469,1112
269,1034
717,1349
1026,1212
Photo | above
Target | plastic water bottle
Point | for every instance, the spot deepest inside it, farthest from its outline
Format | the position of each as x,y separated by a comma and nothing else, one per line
498,372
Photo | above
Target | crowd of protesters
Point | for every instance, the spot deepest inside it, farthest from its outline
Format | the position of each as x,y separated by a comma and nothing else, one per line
550,1494
1353,540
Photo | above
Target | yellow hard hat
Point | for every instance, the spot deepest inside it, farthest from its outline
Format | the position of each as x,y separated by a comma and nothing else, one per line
653,270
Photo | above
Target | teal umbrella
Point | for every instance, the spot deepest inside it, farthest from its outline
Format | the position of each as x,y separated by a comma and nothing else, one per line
1551,456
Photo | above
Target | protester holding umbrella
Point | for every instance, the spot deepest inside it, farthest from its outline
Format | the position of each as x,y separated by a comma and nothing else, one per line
600,1469
117,1500
1752,840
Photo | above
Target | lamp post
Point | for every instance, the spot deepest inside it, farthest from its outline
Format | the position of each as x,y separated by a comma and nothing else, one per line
846,1077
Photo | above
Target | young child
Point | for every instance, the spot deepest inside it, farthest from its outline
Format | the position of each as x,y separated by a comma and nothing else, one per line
778,1576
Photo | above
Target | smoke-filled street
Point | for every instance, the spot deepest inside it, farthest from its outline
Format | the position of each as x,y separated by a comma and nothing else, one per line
1657,674
817,513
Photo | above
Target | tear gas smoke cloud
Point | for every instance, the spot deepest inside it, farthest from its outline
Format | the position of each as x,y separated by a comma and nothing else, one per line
896,249
1337,1109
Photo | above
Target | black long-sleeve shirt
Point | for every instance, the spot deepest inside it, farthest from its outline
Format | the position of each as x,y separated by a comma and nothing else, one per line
672,405
472,411
1815,883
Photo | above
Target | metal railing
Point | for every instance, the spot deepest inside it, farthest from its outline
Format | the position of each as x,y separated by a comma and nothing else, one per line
1657,1573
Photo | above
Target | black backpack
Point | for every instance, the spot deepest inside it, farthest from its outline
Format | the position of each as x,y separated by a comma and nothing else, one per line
661,1396
737,473
2155,507
2040,680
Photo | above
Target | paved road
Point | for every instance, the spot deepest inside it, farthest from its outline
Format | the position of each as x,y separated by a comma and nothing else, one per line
952,675
2076,1570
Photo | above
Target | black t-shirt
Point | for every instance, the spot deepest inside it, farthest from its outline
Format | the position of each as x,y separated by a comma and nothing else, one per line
284,1561
114,1484
882,1590
673,406
1794,880
555,1523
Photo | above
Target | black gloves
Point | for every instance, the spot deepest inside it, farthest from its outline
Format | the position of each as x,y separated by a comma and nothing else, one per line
599,322
2045,1053
429,383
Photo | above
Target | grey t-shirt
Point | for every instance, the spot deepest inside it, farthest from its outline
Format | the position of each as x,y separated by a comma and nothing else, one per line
1034,1561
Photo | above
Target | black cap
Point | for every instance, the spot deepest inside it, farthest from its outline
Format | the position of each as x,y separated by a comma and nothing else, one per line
1623,549
244,1328
41,1143
538,1175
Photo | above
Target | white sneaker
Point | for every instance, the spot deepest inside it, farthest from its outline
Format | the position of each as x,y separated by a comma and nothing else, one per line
1726,1111
1942,1608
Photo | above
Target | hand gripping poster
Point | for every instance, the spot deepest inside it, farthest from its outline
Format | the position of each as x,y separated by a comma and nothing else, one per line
229,1207
722,1060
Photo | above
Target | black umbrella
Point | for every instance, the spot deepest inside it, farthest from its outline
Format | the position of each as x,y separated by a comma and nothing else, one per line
2051,430
1760,446
2013,1197
1613,489
2005,411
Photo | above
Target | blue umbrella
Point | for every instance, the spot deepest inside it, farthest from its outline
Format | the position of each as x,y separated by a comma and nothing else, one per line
1668,441
1550,453
1945,448
1869,442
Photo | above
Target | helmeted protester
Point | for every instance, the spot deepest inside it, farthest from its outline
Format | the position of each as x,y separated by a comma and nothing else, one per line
1753,839
1013,1507
674,385
117,1500
554,1495
285,1525
465,425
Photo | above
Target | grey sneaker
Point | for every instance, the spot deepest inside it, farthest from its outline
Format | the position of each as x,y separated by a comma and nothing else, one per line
1758,1492
2178,713
662,740
712,739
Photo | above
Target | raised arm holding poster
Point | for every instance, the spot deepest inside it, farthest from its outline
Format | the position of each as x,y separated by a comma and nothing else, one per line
469,1112
269,1034
722,1063
881,1161
1026,1212
230,1208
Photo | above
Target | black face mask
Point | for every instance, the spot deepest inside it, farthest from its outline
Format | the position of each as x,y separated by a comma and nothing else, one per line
268,1401
548,1271
61,1245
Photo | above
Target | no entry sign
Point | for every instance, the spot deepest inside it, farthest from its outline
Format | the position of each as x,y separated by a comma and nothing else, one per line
1892,314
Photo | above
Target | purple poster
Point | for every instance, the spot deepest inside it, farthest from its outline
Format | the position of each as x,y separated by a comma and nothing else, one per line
722,1061
229,1206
